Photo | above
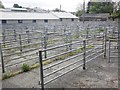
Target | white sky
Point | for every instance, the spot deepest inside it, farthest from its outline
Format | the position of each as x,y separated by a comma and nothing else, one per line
68,5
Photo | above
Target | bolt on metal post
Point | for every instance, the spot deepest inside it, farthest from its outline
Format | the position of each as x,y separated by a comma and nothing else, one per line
84,54
2,61
41,79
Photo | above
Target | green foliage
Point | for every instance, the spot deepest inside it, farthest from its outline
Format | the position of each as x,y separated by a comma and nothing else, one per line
8,75
78,13
5,76
76,37
100,30
90,46
100,7
115,14
17,6
58,10
25,67
71,53
1,5
60,57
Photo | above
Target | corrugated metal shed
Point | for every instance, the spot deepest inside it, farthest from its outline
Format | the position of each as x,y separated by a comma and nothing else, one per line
25,16
64,15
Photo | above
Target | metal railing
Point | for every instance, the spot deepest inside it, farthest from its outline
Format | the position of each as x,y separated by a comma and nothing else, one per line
15,46
86,55
113,49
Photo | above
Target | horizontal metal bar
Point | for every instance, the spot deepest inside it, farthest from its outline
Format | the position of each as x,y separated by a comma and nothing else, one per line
114,40
89,44
63,74
22,46
17,39
61,54
94,53
115,46
63,61
71,70
114,57
14,59
22,52
114,52
93,49
59,46
62,68
21,62
94,58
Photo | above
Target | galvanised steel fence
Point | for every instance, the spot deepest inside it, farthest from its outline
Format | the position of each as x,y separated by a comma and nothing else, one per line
86,55
18,48
21,45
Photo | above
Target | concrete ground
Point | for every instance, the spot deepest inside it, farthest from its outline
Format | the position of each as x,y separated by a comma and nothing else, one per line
98,74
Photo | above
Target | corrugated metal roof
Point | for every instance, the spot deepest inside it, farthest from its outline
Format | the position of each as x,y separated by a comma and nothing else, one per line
18,9
25,15
64,15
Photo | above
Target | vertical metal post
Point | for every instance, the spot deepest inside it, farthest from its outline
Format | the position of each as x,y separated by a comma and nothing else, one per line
3,36
15,35
28,36
45,40
45,46
41,81
83,11
20,42
87,32
105,43
2,61
54,29
77,32
84,54
109,50
70,40
66,37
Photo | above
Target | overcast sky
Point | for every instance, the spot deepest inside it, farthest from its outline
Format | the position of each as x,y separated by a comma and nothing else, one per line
68,5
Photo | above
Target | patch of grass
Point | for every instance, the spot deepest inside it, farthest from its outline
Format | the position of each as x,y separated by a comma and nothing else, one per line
25,67
90,46
100,30
51,42
8,75
71,53
47,62
76,37
34,66
4,46
60,57
78,50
